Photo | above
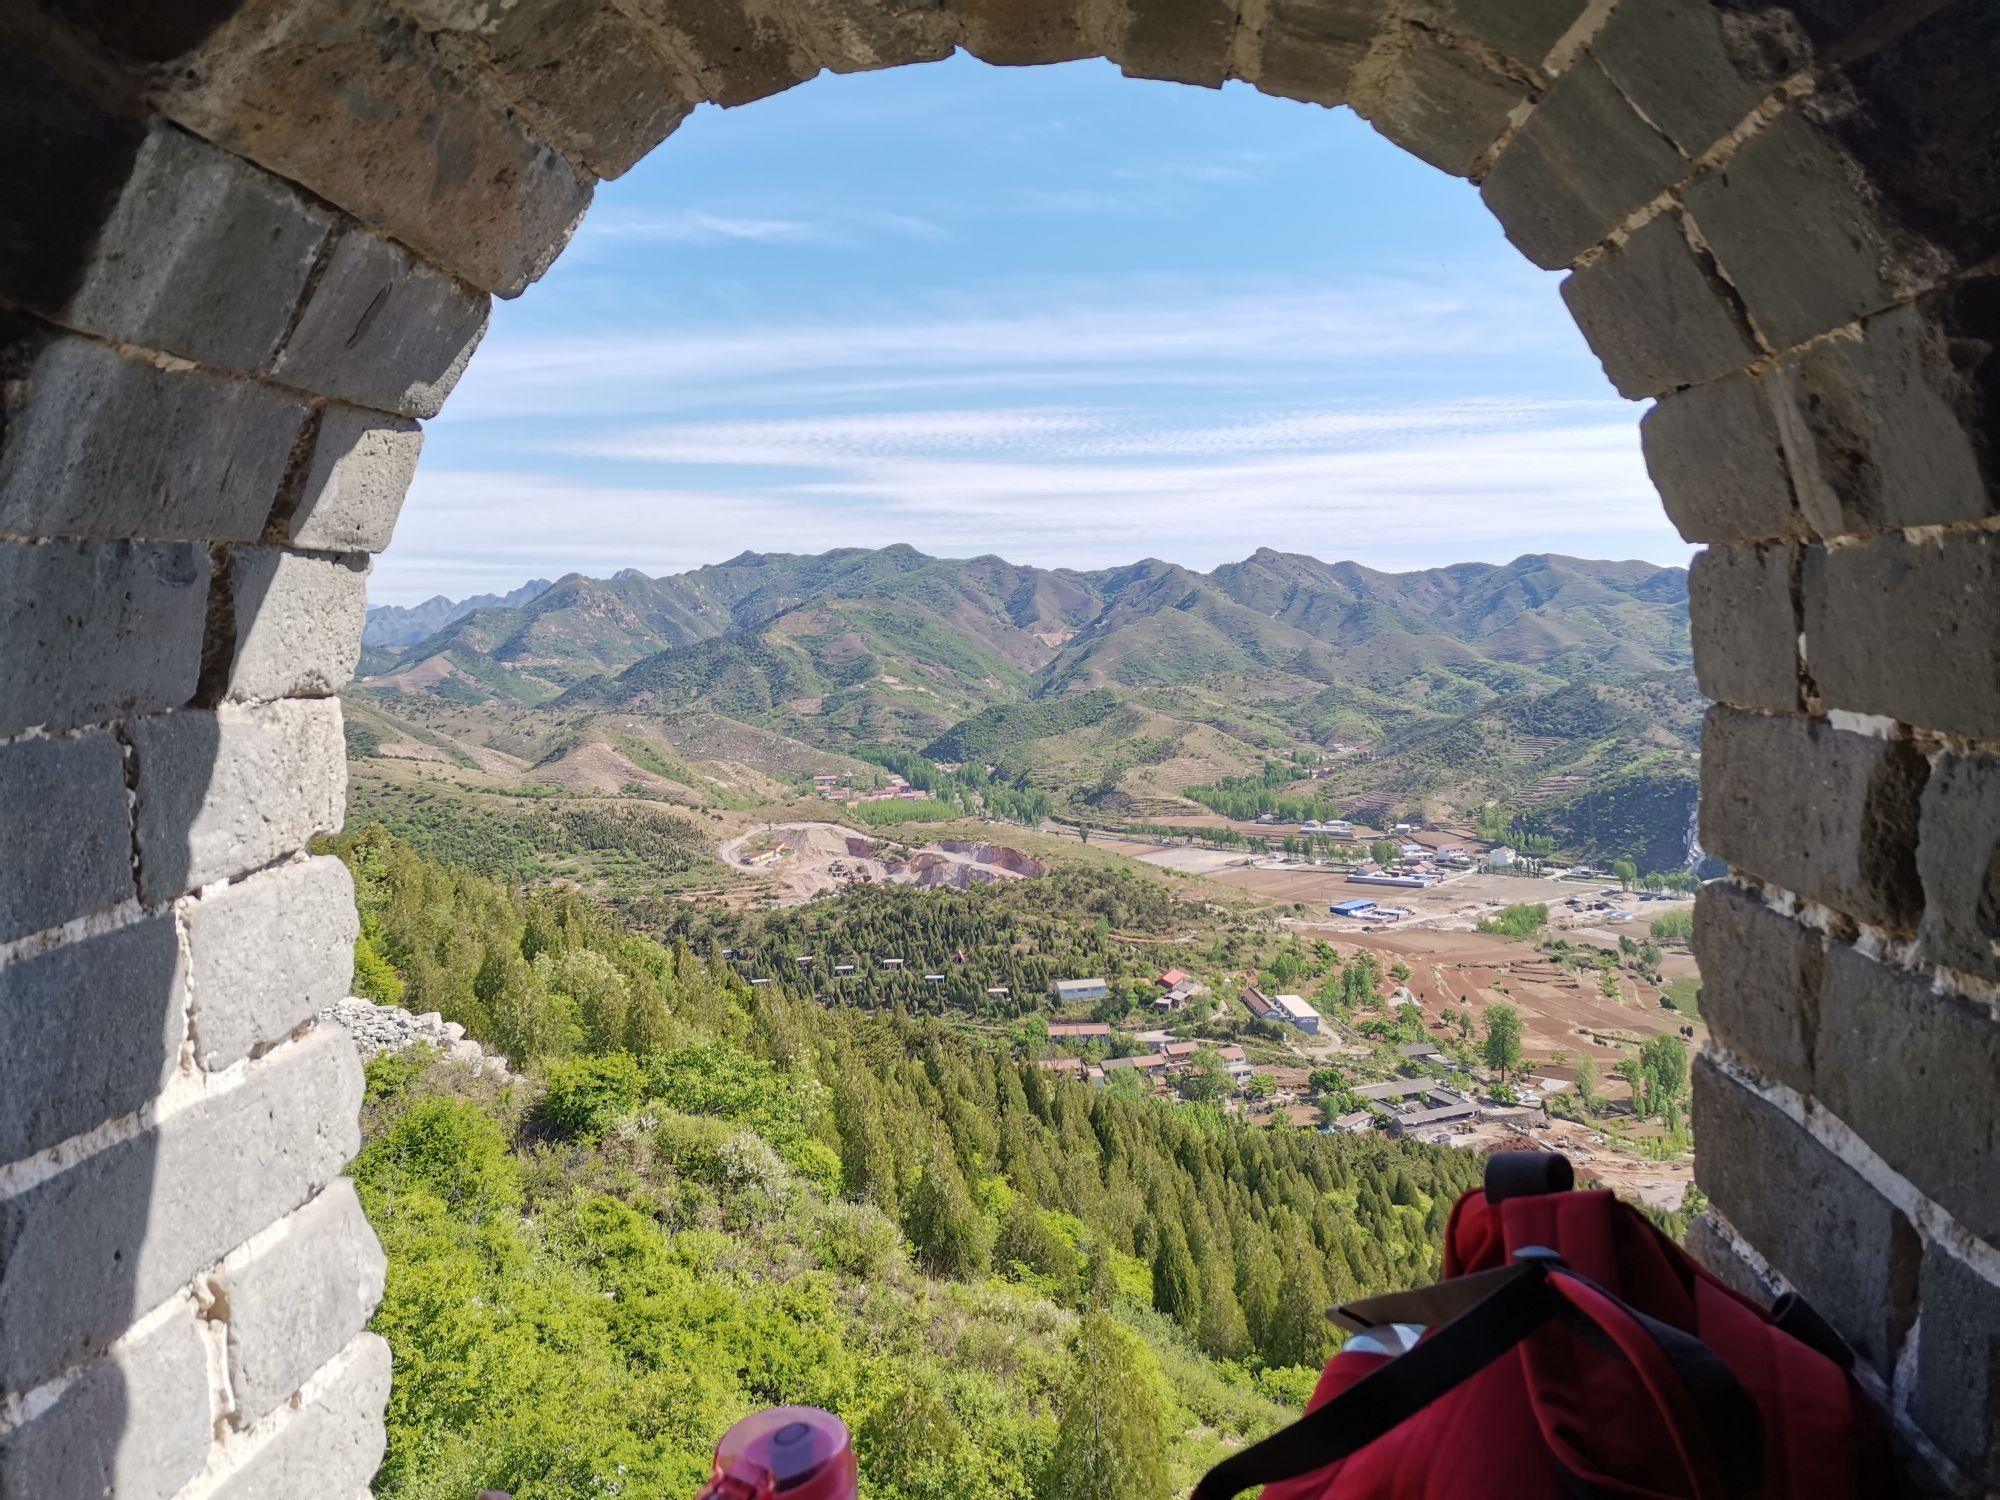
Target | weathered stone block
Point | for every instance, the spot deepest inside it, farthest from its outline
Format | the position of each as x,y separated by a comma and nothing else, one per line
1871,432
300,1300
360,107
361,466
83,1252
384,330
1793,233
252,990
293,624
135,1424
90,630
1827,814
1308,49
1023,33
1716,457
1442,105
1686,66
67,829
1745,625
204,256
1183,41
1793,1199
1582,164
331,1446
1957,1390
1958,856
741,50
1525,30
1760,982
88,1032
1891,1053
224,791
1910,630
857,39
1656,315
95,444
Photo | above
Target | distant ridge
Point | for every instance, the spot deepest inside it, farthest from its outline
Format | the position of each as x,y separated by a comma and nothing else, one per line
391,625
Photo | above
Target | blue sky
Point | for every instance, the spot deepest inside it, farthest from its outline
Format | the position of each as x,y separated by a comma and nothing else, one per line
1051,313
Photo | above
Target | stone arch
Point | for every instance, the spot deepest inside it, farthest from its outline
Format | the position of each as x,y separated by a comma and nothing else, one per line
247,246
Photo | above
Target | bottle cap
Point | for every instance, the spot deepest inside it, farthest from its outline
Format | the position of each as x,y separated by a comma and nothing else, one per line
785,1453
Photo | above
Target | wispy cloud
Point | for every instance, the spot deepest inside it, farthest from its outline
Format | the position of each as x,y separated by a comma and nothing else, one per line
696,227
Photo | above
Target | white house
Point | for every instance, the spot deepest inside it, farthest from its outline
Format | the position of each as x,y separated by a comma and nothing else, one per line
1499,857
1295,1010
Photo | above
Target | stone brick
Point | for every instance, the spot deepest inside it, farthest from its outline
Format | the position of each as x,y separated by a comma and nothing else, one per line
1022,33
1957,1391
224,791
1685,66
1958,857
361,466
1760,982
292,627
1582,164
856,39
83,1252
586,76
1796,1201
90,630
1308,49
300,1299
66,824
134,1424
1717,459
1892,1053
1655,314
1793,233
383,330
251,991
1442,105
1709,1243
331,1446
1968,312
1744,625
358,105
1871,432
1183,41
204,256
88,1031
1525,30
1909,629
740,50
1827,814
95,444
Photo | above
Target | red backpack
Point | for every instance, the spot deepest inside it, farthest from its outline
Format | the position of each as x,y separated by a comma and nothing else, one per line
1572,1350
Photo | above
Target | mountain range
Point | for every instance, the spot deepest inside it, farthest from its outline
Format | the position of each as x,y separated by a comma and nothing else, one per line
392,625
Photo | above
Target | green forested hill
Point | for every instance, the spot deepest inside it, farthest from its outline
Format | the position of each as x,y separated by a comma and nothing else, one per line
713,1198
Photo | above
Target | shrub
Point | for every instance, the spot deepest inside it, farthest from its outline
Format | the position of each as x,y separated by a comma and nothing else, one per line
585,1096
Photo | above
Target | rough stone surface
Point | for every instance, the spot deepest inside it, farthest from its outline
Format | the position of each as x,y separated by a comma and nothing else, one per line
88,1031
1891,1052
389,1028
1709,1243
1655,314
1523,29
1444,106
1020,33
331,1446
1717,459
1582,164
299,1300
361,465
1309,49
67,828
1793,233
90,630
327,93
1958,857
1795,1201
84,1252
1870,430
1910,630
1675,61
383,330
135,1424
96,444
251,992
294,623
1744,625
1182,41
740,50
1827,814
856,39
224,791
1760,982
1958,1365
205,256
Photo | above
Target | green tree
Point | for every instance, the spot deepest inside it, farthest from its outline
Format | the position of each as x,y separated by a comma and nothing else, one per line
1176,1288
1607,985
945,1230
1503,1038
1586,1084
912,1447
1300,1334
375,978
1111,1442
1204,1079
1666,1065
1223,1332
1385,851
1626,872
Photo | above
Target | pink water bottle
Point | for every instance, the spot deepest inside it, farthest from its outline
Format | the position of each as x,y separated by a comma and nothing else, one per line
785,1453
